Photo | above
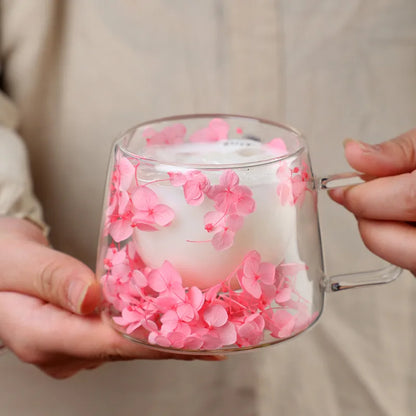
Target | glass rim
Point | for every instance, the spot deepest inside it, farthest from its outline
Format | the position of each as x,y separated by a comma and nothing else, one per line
125,138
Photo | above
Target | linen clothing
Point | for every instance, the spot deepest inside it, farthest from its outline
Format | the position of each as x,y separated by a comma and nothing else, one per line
76,73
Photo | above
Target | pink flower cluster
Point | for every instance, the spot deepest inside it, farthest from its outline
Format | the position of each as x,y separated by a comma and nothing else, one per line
293,184
217,130
195,184
232,203
137,206
131,205
154,306
171,134
277,146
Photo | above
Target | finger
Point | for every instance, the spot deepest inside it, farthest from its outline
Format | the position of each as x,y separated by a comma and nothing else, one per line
32,268
392,241
387,198
389,158
63,367
41,333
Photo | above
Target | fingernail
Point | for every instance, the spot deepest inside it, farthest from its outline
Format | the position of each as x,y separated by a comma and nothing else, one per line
369,148
77,291
346,141
365,147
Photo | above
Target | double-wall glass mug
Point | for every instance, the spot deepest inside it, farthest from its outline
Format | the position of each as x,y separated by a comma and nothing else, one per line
210,241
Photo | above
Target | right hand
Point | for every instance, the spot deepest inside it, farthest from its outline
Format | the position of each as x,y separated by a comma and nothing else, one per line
43,295
385,205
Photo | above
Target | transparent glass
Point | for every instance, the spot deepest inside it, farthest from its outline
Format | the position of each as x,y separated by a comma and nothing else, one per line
210,240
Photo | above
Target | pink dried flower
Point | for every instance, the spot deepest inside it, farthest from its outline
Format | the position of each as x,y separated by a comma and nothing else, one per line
119,215
216,130
125,171
215,315
120,229
133,317
172,134
166,279
292,184
230,197
250,332
277,146
148,211
283,295
218,337
224,228
194,184
284,187
188,310
254,272
280,322
177,178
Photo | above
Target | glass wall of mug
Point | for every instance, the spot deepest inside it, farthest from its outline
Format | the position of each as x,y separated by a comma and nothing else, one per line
210,239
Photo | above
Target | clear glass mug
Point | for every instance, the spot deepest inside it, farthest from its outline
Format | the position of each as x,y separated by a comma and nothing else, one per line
210,239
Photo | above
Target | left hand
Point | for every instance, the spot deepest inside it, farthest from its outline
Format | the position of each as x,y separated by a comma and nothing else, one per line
43,321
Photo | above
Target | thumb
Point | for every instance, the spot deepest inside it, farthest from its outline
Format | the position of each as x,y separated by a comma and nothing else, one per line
393,157
30,267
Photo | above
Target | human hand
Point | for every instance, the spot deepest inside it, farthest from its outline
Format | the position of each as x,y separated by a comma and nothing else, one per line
43,295
385,205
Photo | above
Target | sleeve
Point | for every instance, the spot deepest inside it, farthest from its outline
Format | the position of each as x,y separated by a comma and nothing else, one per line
16,194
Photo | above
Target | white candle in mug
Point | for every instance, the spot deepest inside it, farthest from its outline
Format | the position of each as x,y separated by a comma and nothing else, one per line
185,242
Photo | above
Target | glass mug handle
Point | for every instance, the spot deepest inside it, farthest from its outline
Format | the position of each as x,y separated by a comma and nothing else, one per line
366,278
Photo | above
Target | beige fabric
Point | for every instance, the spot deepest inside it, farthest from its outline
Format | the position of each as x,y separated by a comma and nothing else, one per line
81,71
16,195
